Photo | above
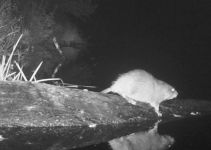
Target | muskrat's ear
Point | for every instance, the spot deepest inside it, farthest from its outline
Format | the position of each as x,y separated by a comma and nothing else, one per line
160,82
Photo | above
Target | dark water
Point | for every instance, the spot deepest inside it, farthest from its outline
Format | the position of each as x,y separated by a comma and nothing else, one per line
189,134
193,133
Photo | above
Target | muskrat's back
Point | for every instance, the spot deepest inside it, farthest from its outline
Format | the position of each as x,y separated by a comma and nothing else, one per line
135,84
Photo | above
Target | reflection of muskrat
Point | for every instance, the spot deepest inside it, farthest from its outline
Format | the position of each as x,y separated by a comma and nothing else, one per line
142,141
139,85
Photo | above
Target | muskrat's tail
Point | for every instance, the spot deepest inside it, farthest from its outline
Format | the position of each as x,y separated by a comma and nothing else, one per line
106,90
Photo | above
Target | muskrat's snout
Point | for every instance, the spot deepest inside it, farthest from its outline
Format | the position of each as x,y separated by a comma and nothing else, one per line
175,93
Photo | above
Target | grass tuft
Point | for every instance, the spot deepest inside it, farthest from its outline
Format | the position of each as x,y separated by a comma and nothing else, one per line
6,74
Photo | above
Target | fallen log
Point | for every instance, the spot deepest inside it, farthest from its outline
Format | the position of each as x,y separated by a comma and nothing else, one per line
40,116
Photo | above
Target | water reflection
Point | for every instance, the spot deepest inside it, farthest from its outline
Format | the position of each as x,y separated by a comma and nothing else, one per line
189,134
150,140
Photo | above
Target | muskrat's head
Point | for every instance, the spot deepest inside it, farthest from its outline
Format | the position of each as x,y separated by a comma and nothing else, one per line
168,91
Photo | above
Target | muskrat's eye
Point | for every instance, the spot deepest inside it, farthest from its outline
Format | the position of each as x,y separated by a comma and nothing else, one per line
173,90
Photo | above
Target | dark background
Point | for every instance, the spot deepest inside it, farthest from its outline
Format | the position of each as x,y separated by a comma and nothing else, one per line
170,39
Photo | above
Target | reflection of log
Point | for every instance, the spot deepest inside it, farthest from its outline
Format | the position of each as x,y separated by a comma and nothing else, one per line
41,116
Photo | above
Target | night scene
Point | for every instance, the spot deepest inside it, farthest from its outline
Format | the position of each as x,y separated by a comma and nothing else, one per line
105,75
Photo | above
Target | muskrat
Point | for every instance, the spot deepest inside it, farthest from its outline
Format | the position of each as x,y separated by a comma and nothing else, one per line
139,85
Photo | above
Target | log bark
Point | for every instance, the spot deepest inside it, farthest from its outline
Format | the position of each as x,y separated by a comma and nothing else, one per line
40,116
